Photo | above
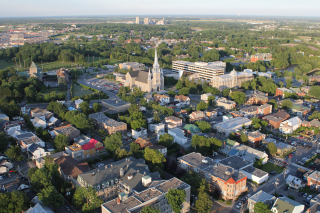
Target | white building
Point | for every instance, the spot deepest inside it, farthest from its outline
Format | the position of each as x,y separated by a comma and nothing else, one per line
249,154
142,133
12,128
78,102
289,126
255,174
39,208
204,97
178,137
232,125
37,122
294,182
157,127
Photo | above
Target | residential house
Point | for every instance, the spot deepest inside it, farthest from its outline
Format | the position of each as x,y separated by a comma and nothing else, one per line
78,102
141,132
266,141
299,92
40,161
38,112
313,181
4,117
11,128
191,129
92,148
229,181
255,138
204,97
225,103
211,113
162,149
314,123
162,99
306,89
232,125
156,127
260,196
82,139
300,110
75,151
25,143
275,119
284,204
5,165
294,182
197,116
314,78
283,148
179,138
256,97
237,114
249,111
227,145
264,109
173,122
281,91
68,130
70,168
143,143
182,99
289,126
314,205
249,153
39,123
36,151
39,207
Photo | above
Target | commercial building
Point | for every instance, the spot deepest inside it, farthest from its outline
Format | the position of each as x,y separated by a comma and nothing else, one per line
34,71
289,126
232,125
131,66
275,119
146,21
231,80
260,196
261,57
154,196
313,181
68,130
137,20
225,103
229,181
284,204
116,105
206,70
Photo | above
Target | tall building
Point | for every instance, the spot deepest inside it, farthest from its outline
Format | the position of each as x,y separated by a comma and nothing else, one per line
231,80
146,20
206,70
35,71
137,20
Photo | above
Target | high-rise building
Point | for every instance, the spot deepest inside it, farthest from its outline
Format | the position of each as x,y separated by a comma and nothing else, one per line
137,20
146,20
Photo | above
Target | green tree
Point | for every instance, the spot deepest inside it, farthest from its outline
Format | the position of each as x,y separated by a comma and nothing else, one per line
203,204
121,153
50,196
204,126
61,141
244,138
175,198
40,179
150,209
179,85
85,108
154,156
260,207
239,97
273,103
113,142
3,142
315,91
156,118
166,140
171,93
184,91
86,199
15,202
211,100
286,104
193,179
134,149
97,107
258,163
272,148
14,153
202,106
31,171
226,92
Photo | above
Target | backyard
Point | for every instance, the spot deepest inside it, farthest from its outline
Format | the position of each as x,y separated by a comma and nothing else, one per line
268,167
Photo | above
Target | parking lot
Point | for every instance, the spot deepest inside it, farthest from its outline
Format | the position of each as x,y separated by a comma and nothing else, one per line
300,197
103,84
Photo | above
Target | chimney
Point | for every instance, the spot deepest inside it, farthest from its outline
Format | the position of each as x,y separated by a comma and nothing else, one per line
118,200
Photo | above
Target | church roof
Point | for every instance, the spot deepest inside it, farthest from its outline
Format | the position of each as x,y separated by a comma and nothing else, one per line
33,65
141,76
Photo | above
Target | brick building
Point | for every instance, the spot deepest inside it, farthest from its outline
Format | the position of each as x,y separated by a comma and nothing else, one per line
313,180
255,138
261,57
276,118
281,91
68,130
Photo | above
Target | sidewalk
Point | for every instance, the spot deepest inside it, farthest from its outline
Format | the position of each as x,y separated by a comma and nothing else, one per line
301,167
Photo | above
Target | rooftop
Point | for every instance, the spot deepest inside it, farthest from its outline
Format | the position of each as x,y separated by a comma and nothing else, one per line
233,123
255,134
115,102
31,140
235,162
284,204
65,129
279,116
261,196
254,171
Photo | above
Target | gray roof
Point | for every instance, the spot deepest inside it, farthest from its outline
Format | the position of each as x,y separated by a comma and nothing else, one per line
115,102
24,135
33,147
249,109
284,204
141,76
233,123
261,196
269,140
3,116
254,171
255,134
281,145
197,160
235,162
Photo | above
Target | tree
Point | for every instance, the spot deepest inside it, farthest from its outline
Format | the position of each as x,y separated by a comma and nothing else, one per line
239,97
40,179
244,138
134,149
202,106
150,209
14,153
286,104
166,140
86,199
260,207
258,163
184,91
154,156
31,171
85,108
113,142
62,83
315,91
3,142
50,196
211,100
15,201
203,204
272,148
226,92
61,141
121,153
175,198
273,103
204,126
171,93
193,179
97,107
156,118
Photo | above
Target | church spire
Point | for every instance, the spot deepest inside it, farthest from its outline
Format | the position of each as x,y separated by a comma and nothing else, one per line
149,75
155,64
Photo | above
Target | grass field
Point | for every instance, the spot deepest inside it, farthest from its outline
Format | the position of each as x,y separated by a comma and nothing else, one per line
78,90
56,89
96,59
55,65
268,167
4,64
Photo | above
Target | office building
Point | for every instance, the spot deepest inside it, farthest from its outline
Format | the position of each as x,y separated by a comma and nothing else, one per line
146,20
231,80
137,20
205,70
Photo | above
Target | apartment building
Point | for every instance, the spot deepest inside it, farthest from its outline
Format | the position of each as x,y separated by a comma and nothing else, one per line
229,181
206,70
289,126
276,118
110,125
255,138
173,122
313,181
281,91
231,80
68,130
92,148
204,97
257,97
225,103
197,116
261,57
153,196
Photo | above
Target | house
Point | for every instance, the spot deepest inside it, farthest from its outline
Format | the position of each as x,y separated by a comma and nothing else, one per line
162,99
141,132
204,97
25,143
294,182
299,92
256,97
75,151
227,145
93,147
82,139
185,100
39,207
284,204
211,113
300,110
249,153
275,119
226,117
313,181
40,161
63,74
68,130
225,103
70,168
11,128
255,138
38,112
281,91
289,126
217,175
314,205
197,116
143,143
283,148
162,149
264,109
314,123
255,174
179,138
249,111
173,122
266,141
260,196
232,125
5,165
156,127
39,123
78,102
36,151
306,89
191,129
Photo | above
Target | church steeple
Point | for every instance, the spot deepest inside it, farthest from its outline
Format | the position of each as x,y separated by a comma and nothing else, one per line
155,63
149,75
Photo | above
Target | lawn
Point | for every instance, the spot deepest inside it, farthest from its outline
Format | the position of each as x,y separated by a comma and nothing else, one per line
4,64
96,59
55,65
78,90
114,61
268,167
56,89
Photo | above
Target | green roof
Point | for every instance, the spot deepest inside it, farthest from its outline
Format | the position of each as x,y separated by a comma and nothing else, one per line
229,115
192,128
295,89
229,142
284,204
299,107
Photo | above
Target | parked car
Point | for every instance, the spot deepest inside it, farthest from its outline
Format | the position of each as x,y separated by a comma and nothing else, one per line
290,155
300,194
281,195
1,178
287,171
305,195
285,163
309,197
273,173
67,208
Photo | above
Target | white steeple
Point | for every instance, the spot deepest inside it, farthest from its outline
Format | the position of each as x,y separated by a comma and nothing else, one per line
149,75
155,64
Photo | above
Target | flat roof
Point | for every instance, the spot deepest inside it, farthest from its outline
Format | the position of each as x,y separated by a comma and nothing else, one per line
235,162
254,171
115,102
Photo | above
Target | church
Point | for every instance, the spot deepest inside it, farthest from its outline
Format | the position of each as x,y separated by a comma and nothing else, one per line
147,81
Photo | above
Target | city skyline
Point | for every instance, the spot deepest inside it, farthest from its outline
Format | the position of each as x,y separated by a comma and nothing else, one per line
35,8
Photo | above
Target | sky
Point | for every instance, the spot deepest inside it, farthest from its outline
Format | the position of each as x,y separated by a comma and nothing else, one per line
32,8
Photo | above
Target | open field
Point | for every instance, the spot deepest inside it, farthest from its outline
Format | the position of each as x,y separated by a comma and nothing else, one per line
96,59
56,65
78,90
4,64
114,61
56,89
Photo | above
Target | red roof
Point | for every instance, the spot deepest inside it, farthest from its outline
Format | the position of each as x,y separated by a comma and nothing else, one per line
90,145
231,181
